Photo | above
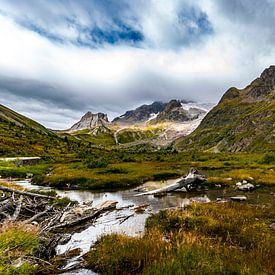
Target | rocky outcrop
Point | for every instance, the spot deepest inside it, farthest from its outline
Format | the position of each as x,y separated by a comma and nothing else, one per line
243,120
96,122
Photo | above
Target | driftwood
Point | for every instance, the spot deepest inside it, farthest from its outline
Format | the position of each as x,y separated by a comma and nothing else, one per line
35,208
6,189
190,182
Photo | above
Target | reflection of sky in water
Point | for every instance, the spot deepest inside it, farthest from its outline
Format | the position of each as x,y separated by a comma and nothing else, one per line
109,222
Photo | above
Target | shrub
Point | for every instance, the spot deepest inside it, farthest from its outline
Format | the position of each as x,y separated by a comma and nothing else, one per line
268,158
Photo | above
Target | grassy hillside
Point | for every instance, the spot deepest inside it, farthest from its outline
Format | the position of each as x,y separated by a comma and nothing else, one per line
21,136
244,120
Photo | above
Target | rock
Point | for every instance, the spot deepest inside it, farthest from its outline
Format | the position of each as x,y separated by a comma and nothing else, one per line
250,178
239,198
228,179
218,185
96,122
272,225
246,187
244,181
204,199
64,239
238,184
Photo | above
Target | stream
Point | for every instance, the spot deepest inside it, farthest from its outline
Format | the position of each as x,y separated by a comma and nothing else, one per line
115,221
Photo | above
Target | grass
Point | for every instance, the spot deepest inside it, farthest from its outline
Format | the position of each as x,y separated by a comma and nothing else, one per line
114,169
17,242
204,239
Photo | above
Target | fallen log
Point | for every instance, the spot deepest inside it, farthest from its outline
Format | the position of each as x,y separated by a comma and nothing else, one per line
18,209
34,195
75,221
191,181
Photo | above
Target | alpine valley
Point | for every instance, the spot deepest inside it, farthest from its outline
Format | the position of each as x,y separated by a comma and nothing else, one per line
191,186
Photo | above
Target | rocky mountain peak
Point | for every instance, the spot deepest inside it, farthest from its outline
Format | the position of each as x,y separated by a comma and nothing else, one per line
172,104
90,121
141,114
261,87
268,76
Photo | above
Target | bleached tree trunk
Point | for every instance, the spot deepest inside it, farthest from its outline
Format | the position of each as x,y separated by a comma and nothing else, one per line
191,181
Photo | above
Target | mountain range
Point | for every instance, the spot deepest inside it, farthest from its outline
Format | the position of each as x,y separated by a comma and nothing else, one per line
243,120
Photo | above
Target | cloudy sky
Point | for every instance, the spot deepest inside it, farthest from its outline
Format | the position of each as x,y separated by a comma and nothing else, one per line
61,58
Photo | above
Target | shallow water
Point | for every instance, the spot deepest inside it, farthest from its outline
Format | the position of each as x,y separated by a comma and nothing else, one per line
114,221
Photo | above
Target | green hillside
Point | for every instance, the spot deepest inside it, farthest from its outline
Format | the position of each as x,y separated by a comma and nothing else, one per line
21,136
244,120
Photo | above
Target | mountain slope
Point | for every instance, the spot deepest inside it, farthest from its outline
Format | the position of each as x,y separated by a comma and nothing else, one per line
9,115
21,136
243,120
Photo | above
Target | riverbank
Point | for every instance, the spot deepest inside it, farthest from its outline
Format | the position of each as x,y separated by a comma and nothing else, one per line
214,238
119,170
131,222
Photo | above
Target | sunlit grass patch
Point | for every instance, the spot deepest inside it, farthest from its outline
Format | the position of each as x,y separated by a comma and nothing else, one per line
204,239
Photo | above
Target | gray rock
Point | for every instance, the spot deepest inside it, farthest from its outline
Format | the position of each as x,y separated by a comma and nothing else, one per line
64,239
239,198
246,187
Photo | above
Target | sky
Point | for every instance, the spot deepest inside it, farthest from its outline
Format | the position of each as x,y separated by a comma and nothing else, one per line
62,58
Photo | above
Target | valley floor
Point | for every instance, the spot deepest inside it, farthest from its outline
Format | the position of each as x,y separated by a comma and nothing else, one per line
212,238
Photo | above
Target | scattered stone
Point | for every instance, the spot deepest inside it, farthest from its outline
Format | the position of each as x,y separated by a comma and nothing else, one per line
239,198
246,187
272,225
244,181
250,178
218,185
238,184
228,179
218,199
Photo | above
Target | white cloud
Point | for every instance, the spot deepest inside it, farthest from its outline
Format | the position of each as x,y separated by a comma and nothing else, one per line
113,78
